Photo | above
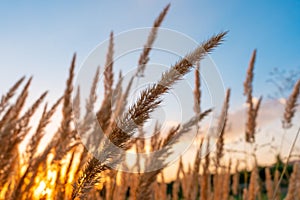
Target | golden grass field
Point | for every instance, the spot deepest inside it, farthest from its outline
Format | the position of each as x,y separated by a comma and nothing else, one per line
63,168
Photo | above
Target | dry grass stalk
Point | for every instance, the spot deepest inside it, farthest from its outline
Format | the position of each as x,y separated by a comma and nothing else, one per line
117,92
56,142
269,183
87,124
104,114
205,179
144,57
14,111
290,106
147,179
221,129
11,92
14,133
245,193
22,125
76,105
226,182
90,103
218,177
254,184
194,184
252,109
186,182
294,183
108,70
65,134
236,180
34,142
32,148
121,190
149,98
134,180
176,185
197,89
162,188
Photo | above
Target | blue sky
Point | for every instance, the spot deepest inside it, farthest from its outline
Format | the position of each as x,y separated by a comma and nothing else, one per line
39,37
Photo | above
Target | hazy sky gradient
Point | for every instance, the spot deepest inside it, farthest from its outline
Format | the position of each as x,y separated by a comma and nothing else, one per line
39,37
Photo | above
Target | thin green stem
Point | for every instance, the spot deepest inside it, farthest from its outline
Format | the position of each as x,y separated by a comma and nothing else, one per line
286,165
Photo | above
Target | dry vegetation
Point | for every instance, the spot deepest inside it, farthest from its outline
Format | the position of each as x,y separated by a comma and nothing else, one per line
64,169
